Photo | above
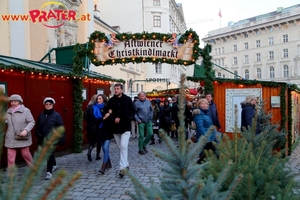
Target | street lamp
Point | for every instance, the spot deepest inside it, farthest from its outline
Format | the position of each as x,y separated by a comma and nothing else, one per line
130,85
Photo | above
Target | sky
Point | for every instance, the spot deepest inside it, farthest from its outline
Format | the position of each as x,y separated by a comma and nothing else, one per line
206,11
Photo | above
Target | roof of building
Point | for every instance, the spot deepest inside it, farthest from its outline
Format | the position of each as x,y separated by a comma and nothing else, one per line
49,67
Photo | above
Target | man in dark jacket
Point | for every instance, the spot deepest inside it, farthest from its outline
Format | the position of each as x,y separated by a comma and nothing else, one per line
143,116
121,108
213,111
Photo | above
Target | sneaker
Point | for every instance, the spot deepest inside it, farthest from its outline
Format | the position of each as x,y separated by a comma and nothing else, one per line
48,176
54,168
145,149
122,173
142,152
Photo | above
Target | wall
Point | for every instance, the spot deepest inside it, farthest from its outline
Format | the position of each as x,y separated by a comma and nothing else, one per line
34,88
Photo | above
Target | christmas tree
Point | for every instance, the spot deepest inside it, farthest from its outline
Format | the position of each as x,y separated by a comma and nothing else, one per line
265,174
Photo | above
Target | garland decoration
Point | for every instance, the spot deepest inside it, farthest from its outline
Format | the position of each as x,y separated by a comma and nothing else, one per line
101,37
209,74
78,99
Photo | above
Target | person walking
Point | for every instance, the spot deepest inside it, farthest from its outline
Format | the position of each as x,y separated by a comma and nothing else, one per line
91,130
134,126
122,112
213,113
143,116
175,118
248,112
155,121
46,121
19,121
203,122
166,117
101,117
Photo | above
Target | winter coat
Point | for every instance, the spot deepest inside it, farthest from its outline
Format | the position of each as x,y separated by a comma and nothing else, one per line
21,119
203,123
123,108
248,113
90,122
47,120
214,114
143,111
175,112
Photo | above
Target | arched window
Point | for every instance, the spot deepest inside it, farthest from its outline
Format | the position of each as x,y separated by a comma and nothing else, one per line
272,73
258,73
219,75
246,74
285,71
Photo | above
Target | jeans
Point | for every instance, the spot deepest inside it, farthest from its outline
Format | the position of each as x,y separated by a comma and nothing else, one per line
105,148
122,141
143,142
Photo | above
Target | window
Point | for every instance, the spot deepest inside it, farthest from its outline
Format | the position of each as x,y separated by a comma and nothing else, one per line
235,47
285,53
235,60
156,21
246,74
272,74
223,50
245,35
285,38
235,74
216,51
271,29
258,72
246,59
257,32
219,51
285,71
219,75
137,87
156,2
224,76
246,45
257,43
222,64
271,55
258,57
142,87
271,41
158,68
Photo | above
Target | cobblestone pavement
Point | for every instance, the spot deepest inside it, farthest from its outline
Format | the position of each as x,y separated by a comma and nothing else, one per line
92,185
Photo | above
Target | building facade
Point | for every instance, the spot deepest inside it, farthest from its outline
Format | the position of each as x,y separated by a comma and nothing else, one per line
162,16
265,47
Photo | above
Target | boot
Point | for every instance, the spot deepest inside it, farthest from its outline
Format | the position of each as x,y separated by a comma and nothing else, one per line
103,168
98,151
90,152
108,164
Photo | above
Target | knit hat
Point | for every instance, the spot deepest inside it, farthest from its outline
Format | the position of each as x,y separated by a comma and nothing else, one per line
49,99
16,97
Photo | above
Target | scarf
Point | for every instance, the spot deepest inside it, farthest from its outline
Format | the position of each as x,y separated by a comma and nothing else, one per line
97,112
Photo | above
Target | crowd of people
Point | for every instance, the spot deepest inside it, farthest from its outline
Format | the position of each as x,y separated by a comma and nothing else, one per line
120,118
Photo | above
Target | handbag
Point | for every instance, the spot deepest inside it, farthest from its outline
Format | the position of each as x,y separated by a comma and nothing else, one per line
18,133
19,137
173,127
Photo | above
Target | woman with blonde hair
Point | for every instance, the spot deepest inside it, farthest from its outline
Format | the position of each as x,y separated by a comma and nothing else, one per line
203,122
248,112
